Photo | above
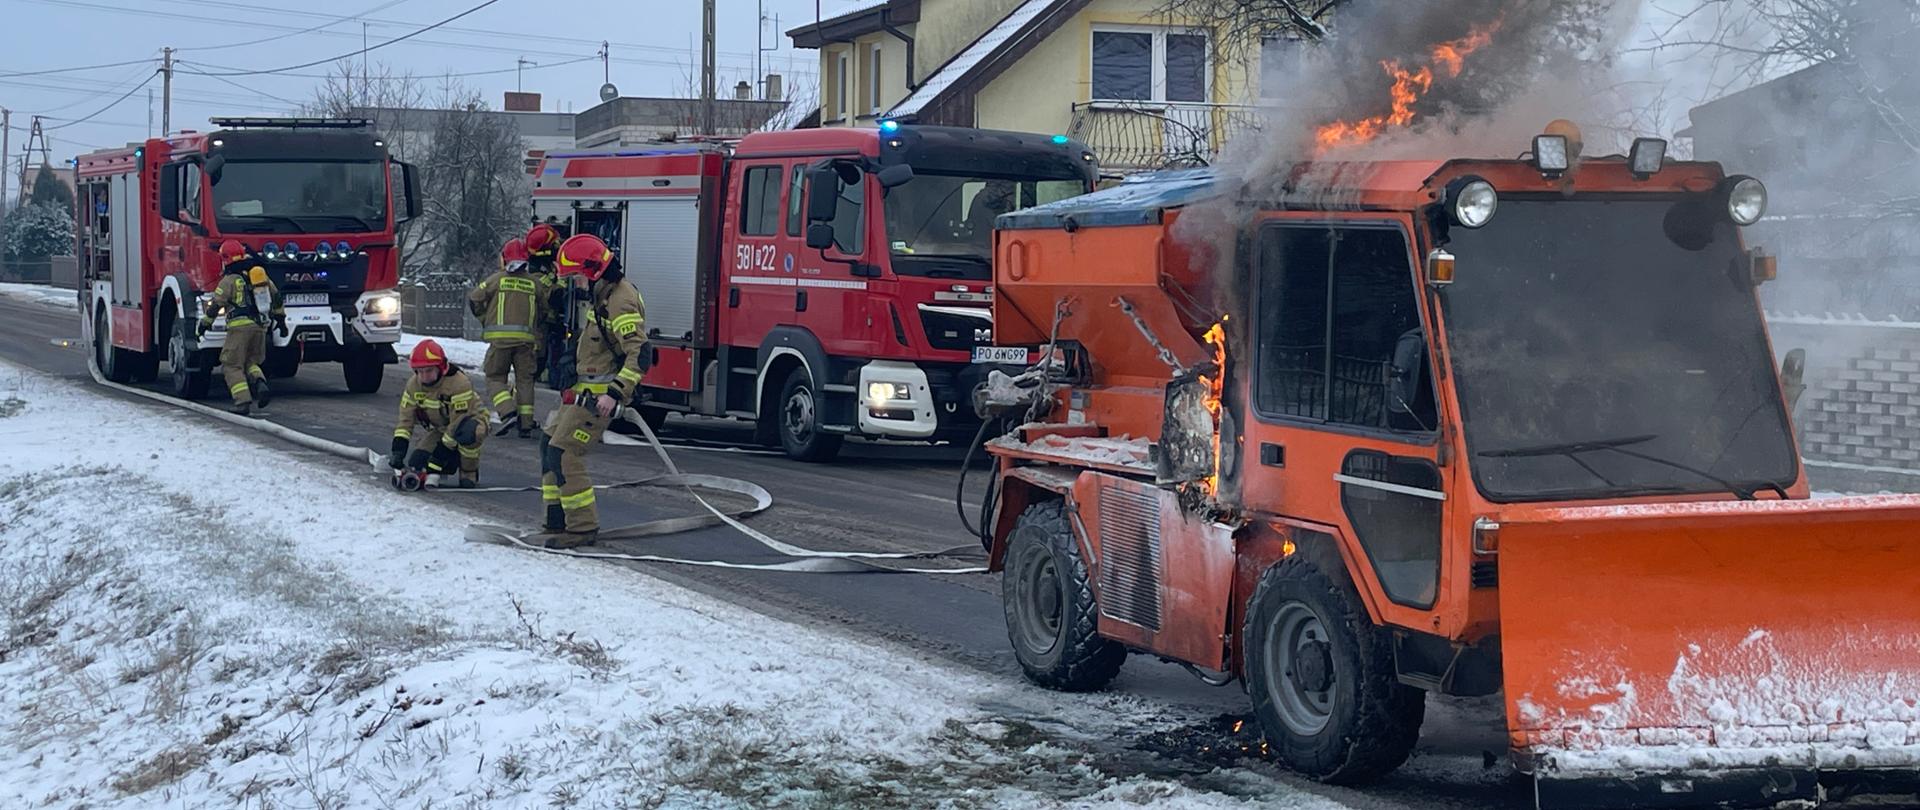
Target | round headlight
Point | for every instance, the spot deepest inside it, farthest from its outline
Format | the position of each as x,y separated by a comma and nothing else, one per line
1746,200
322,250
1473,203
271,250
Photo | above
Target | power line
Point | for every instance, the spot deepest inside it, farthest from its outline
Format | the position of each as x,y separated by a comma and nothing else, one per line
77,69
116,102
99,89
223,79
370,48
329,23
115,87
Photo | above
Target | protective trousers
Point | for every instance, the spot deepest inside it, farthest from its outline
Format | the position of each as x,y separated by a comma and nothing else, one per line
438,448
564,483
240,359
517,359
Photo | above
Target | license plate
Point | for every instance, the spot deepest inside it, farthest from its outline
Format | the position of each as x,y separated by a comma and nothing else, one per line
306,299
1000,354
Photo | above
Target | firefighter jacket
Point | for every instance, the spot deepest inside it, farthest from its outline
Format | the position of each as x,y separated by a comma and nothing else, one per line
438,407
243,303
512,307
610,356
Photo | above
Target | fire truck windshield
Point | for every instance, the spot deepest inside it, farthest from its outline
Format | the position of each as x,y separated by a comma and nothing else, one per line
1612,348
277,196
942,224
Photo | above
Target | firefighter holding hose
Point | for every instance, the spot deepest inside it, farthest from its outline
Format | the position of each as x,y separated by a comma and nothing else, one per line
610,358
512,307
439,400
542,242
250,301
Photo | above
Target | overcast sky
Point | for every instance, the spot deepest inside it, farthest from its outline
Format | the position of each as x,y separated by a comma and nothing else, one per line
655,44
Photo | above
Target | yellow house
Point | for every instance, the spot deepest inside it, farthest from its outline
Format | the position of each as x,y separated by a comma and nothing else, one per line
1143,90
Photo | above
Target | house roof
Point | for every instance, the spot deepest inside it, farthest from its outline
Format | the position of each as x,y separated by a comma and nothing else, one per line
864,17
985,57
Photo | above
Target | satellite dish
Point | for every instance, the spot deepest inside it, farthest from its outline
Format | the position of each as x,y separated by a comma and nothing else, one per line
608,92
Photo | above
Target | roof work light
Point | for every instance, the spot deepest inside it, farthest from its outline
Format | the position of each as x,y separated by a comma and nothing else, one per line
1551,154
1646,157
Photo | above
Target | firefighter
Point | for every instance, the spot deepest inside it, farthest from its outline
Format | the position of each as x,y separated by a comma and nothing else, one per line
512,307
250,301
609,352
439,399
541,242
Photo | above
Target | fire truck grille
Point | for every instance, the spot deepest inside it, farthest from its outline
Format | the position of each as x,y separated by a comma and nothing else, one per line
955,332
1130,557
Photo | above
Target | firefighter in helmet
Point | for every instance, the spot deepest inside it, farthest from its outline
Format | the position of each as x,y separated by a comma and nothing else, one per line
610,352
512,307
542,242
250,301
441,402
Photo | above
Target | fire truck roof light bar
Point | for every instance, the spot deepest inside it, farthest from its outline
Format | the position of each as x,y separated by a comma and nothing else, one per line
292,123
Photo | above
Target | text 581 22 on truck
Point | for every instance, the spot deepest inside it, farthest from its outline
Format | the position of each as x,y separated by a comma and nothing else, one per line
824,283
315,200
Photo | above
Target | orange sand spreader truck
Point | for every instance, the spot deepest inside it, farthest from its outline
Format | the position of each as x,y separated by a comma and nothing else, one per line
1450,426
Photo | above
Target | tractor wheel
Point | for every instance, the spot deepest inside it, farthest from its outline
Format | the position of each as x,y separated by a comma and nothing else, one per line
1048,599
1322,679
799,413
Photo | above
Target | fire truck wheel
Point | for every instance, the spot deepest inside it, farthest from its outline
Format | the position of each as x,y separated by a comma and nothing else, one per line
1046,595
798,412
185,382
112,361
364,372
1322,680
655,418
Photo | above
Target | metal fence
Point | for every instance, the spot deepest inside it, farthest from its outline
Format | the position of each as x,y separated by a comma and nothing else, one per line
1147,135
438,310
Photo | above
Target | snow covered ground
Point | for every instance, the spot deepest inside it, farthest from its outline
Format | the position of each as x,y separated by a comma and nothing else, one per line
193,619
41,294
467,354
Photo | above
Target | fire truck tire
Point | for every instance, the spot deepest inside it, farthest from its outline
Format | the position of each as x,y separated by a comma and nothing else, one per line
282,363
655,418
183,380
1321,676
364,372
112,362
798,415
1047,595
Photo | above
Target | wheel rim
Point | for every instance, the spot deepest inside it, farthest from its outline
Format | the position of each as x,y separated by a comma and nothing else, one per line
798,415
1038,600
1299,669
177,356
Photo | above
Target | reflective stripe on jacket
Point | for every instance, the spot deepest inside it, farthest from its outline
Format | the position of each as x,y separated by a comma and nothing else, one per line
512,307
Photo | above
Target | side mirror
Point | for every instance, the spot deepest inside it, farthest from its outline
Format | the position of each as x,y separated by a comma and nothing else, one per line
820,236
823,194
215,166
1793,376
1403,382
170,191
406,193
899,174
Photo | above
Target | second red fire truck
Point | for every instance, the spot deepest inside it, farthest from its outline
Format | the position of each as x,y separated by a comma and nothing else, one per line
824,283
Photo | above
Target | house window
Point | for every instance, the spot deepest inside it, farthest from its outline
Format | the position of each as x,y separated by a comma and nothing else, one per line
843,95
1147,63
874,91
760,205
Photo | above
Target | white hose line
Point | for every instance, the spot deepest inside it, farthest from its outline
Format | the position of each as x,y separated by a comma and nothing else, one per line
812,561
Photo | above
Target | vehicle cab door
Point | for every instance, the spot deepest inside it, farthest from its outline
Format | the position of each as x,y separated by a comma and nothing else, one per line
760,293
839,276
1344,433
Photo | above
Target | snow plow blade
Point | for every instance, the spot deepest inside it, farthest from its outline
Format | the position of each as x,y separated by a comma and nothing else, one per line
1737,653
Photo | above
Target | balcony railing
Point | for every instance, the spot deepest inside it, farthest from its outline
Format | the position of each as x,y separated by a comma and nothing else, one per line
1132,136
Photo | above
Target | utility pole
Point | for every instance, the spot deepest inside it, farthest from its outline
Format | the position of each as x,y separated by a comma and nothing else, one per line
606,62
6,147
518,66
166,92
34,136
707,68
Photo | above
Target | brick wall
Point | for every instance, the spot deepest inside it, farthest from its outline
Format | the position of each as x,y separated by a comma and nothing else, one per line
1859,420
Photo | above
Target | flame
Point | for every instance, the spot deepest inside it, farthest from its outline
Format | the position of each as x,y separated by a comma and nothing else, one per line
1216,337
1408,86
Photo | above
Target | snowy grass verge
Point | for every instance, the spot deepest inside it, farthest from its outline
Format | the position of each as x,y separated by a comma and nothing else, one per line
195,620
52,297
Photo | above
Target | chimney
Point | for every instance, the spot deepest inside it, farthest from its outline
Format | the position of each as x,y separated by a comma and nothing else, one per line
522,102
743,92
773,88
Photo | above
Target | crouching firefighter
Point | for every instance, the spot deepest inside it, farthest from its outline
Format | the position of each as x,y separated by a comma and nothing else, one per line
512,307
440,400
250,301
609,353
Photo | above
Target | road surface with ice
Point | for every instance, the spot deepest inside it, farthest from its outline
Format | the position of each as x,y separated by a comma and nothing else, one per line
941,638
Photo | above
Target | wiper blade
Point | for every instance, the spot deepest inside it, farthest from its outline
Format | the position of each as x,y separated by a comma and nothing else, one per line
1569,447
963,257
297,227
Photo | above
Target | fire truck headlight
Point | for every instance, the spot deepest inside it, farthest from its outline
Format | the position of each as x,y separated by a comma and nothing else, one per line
1471,202
883,392
385,304
323,251
1746,199
271,250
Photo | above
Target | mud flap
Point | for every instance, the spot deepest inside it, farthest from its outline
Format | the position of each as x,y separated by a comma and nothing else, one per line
1678,653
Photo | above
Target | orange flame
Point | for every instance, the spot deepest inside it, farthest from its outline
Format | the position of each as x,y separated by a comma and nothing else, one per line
1408,87
1216,337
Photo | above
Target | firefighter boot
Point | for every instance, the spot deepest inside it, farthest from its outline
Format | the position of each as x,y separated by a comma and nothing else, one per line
242,408
261,393
507,424
564,540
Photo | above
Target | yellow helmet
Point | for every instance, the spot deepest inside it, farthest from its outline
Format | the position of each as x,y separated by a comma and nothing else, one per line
257,276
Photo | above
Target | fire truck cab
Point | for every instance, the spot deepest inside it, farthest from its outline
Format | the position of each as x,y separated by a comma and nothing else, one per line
1450,426
825,283
317,202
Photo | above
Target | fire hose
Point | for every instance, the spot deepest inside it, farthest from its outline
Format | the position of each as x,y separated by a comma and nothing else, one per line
808,560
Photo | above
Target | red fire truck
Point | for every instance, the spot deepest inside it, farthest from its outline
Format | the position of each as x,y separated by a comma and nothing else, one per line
316,199
861,311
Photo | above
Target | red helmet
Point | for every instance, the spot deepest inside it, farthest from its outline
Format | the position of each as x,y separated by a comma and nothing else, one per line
428,354
542,240
514,251
232,251
585,255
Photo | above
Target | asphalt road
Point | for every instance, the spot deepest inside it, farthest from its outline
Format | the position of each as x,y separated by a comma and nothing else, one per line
876,497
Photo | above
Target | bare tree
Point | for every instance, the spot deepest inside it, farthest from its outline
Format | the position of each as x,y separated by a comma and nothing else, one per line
474,186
